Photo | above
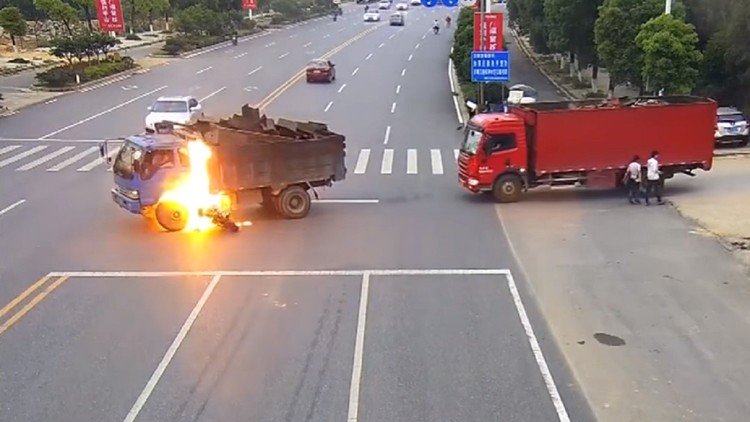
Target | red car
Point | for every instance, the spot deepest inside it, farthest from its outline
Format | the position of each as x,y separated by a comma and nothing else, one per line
321,71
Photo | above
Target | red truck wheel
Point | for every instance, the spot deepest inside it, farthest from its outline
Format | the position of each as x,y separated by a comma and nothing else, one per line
507,188
171,216
293,202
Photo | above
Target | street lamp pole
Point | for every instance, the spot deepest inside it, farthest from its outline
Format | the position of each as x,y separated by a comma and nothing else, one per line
480,106
667,7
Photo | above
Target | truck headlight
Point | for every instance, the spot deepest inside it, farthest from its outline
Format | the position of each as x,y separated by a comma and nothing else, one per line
473,182
132,194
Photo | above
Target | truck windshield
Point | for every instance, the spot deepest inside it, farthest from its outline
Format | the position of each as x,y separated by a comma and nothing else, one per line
123,165
472,136
155,160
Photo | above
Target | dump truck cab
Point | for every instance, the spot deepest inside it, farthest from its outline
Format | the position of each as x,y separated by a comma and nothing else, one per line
494,145
144,166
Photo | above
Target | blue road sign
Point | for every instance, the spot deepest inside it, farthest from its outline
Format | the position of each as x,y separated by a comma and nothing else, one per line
490,66
433,3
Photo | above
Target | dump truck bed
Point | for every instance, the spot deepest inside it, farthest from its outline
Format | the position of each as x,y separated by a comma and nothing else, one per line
587,135
250,152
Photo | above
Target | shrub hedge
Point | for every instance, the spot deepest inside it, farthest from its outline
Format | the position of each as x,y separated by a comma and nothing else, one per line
65,76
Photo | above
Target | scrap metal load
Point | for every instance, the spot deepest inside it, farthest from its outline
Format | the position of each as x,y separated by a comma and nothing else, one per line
251,151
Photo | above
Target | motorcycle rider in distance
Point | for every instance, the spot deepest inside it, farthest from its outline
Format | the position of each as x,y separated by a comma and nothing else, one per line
436,27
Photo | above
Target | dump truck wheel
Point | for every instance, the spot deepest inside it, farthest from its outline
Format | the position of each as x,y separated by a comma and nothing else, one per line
507,188
171,216
294,202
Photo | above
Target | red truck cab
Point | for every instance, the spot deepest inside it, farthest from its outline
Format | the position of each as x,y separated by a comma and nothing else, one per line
583,143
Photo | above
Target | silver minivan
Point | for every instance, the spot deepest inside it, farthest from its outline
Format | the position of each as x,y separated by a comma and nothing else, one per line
398,19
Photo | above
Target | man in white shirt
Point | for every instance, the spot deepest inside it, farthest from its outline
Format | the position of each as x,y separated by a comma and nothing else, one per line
653,182
632,179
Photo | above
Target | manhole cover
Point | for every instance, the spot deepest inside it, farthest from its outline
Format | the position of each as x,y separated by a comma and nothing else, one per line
609,340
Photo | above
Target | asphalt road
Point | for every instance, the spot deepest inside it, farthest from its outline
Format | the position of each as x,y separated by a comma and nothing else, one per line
409,306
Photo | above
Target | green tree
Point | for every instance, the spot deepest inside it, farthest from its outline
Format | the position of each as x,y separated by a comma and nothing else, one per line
86,7
739,49
58,11
200,20
288,8
13,23
615,30
670,57
27,8
528,17
151,8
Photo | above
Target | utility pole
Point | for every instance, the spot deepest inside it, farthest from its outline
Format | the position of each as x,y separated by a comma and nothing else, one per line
480,106
667,7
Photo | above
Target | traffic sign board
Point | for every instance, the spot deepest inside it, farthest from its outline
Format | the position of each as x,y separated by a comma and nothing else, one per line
447,3
490,66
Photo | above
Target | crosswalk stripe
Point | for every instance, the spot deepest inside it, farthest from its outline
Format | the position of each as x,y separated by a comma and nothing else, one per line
386,167
437,161
364,157
98,161
411,161
9,148
61,165
45,158
455,154
22,155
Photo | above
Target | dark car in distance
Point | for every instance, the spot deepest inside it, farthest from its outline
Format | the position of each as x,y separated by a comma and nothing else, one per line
321,71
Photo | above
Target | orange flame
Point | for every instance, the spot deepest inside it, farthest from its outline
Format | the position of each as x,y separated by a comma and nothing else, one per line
193,191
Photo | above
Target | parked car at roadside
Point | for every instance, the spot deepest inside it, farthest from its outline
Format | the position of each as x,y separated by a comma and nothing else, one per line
731,127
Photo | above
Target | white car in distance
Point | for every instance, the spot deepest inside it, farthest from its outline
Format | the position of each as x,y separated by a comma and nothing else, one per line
384,5
416,2
402,6
372,15
180,110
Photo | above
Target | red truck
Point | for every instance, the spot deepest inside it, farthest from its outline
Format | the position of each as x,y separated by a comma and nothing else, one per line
587,142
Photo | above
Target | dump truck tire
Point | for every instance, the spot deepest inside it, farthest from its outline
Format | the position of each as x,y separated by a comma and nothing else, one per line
294,202
507,188
171,216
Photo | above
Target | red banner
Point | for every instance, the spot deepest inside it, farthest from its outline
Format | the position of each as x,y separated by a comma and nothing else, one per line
250,4
493,32
109,14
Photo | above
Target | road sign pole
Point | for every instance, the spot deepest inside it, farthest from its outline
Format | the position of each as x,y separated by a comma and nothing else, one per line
480,106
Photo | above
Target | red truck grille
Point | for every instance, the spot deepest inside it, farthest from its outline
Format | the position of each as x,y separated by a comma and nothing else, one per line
463,163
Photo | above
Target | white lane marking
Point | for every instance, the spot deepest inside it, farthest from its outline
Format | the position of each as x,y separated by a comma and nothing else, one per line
541,362
308,44
98,161
453,90
204,70
355,71
411,161
255,70
411,56
11,206
326,35
328,106
45,158
342,88
455,154
391,36
151,384
361,166
387,136
9,148
73,159
54,100
437,161
101,113
417,46
386,167
398,89
381,45
283,55
272,43
424,36
293,36
22,155
279,273
359,349
393,107
341,30
212,94
403,72
368,56
240,55
346,201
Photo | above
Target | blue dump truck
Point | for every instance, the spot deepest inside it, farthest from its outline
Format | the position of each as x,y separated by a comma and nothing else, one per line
250,160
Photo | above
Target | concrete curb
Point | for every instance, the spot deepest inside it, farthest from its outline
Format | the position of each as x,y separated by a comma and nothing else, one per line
527,52
11,111
459,100
742,153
